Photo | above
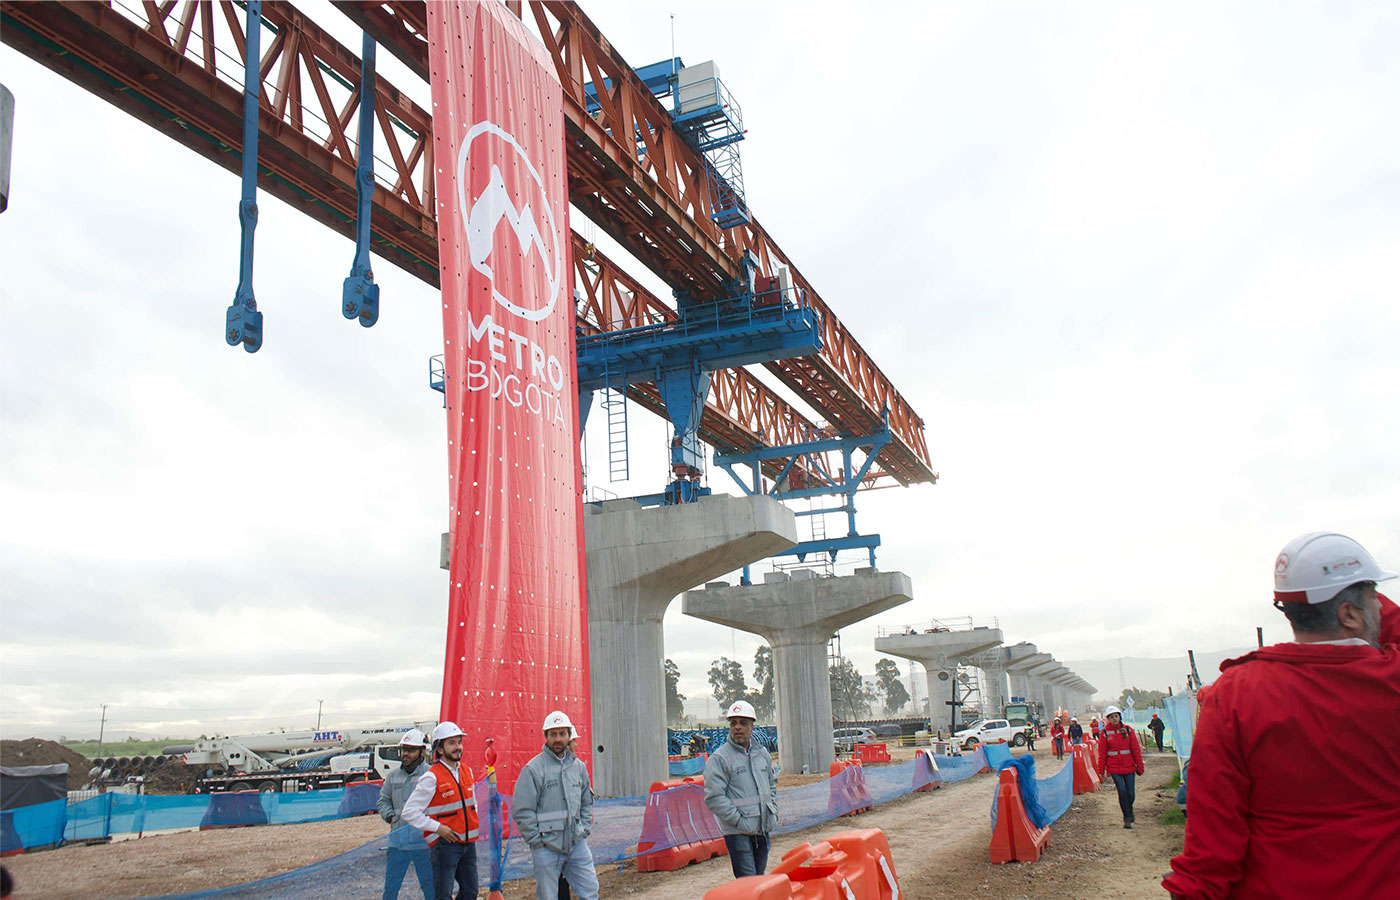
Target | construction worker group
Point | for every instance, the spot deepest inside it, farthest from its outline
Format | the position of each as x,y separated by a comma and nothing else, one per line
1287,788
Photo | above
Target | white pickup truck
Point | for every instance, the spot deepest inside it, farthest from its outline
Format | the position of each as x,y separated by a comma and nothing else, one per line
988,731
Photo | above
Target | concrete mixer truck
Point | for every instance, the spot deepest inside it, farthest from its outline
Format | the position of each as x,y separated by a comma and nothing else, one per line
297,760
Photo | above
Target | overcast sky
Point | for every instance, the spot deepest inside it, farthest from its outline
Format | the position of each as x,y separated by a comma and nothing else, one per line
1135,265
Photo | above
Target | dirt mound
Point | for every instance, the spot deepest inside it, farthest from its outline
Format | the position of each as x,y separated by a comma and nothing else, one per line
39,752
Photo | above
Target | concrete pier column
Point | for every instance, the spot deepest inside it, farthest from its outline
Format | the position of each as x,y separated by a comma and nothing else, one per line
797,615
638,559
939,651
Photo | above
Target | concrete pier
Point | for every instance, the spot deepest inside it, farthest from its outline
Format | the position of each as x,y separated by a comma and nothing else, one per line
797,615
939,651
638,559
1020,658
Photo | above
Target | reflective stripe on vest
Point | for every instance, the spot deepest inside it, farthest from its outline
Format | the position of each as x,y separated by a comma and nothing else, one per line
1120,753
452,805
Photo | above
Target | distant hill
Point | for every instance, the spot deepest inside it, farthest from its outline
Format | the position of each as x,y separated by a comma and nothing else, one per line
1149,673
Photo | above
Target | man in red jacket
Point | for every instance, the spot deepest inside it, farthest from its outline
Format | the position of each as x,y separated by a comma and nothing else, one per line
1120,758
1291,794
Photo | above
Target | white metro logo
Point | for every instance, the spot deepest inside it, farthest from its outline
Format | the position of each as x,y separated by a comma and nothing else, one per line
494,203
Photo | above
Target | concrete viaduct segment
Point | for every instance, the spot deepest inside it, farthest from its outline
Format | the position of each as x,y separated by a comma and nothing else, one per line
797,614
939,650
638,559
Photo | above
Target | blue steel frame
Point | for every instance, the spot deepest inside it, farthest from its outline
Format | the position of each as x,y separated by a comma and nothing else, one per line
243,322
842,483
360,295
679,357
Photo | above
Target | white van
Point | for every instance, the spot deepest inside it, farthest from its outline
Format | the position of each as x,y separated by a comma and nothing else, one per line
986,731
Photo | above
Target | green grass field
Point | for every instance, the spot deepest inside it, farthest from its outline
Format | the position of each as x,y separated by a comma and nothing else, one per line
125,748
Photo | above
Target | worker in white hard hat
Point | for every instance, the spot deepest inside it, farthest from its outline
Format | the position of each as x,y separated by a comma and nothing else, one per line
741,789
1295,783
1076,731
443,807
553,808
1120,759
406,844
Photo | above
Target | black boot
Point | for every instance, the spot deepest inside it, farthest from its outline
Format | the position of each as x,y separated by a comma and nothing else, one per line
1127,823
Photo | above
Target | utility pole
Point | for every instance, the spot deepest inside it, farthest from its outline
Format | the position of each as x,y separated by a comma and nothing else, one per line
319,704
1259,636
102,730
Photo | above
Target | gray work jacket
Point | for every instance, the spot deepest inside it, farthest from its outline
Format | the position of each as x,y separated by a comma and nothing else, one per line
553,804
398,784
741,789
393,794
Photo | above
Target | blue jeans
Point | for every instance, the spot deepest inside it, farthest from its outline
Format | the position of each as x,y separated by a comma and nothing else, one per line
1127,793
454,862
396,866
748,853
553,867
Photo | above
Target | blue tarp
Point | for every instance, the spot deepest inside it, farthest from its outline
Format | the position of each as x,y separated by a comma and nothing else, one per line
680,768
1178,716
1045,799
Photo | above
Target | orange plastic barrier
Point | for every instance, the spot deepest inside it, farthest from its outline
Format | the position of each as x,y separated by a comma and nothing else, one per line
923,759
677,818
1086,780
872,753
849,795
1014,838
852,865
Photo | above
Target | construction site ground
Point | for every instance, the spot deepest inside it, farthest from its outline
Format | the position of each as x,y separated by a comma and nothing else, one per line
938,839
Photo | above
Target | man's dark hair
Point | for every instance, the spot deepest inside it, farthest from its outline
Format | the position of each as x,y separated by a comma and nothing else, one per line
1321,618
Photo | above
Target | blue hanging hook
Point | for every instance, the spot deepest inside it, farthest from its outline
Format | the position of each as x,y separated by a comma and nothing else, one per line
244,322
360,295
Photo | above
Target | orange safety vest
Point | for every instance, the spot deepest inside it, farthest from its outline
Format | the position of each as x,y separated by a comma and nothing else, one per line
453,803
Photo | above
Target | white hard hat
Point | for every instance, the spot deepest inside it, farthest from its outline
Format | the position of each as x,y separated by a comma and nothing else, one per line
413,738
445,730
1073,719
1111,710
741,708
558,719
1316,567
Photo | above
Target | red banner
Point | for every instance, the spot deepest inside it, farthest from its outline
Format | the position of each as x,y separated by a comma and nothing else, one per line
517,635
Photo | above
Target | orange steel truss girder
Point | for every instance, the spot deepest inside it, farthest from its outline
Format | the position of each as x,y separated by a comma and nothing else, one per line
645,187
165,72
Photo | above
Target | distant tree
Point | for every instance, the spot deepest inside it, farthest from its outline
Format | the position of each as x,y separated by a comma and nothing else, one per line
727,681
675,700
762,699
1141,698
849,697
895,696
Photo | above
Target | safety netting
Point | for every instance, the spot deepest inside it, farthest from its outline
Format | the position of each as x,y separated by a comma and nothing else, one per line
1180,716
114,813
677,739
617,830
1045,799
1140,718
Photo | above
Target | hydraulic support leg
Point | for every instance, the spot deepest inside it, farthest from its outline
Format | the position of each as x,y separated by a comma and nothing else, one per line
360,294
244,322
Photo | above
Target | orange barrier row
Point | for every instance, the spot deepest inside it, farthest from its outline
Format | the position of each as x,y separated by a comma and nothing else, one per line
677,818
871,753
1086,780
925,772
852,865
1014,837
849,795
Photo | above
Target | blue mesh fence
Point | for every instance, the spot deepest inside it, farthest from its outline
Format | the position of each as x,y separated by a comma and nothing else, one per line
678,739
111,813
1178,717
617,827
1045,799
26,827
1138,718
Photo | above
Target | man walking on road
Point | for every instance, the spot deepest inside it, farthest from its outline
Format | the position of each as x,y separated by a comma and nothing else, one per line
553,808
443,807
1156,727
406,844
1120,757
1279,808
742,791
